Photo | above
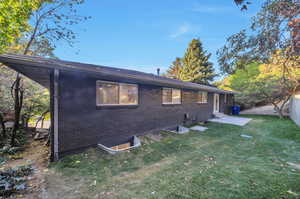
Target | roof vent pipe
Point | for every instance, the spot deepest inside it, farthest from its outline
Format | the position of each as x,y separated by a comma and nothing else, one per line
158,70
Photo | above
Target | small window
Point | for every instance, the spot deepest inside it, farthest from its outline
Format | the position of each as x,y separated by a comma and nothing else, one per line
202,97
112,93
171,96
225,98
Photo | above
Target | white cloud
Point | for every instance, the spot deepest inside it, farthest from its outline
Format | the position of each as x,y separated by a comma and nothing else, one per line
181,30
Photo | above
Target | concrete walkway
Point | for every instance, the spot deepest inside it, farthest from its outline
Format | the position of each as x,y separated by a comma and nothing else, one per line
226,119
262,110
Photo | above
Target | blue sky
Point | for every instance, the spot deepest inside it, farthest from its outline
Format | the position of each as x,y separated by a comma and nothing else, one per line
144,35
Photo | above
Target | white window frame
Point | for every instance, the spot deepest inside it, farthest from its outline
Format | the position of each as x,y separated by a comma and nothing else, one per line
201,93
168,103
119,84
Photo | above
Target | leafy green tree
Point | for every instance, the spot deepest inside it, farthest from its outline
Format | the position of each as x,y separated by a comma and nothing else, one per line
268,83
274,39
51,22
240,81
14,20
196,66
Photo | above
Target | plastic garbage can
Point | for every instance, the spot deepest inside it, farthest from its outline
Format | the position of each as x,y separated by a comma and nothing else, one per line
235,110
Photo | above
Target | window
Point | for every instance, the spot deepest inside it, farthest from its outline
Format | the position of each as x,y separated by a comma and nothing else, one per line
112,93
225,98
202,97
171,96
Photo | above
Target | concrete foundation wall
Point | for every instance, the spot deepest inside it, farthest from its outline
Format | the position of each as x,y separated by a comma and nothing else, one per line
295,109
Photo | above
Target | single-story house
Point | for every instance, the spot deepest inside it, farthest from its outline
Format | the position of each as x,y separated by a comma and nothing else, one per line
294,107
93,104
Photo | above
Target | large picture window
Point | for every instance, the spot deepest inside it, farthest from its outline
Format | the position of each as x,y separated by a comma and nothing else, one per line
202,97
113,93
171,96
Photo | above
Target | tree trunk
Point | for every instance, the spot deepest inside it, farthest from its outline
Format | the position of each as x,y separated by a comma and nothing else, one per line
278,110
27,123
23,120
42,123
3,126
18,102
41,119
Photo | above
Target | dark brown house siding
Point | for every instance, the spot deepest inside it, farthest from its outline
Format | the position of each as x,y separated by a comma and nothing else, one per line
83,124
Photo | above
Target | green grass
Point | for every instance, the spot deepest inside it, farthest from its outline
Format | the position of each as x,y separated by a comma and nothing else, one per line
217,163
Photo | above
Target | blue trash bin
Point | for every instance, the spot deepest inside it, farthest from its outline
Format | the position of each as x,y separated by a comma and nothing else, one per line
235,110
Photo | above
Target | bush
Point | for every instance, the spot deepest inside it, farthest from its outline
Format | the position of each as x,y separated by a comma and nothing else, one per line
10,150
13,180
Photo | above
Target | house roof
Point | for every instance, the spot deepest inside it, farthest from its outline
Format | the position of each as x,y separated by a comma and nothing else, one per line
39,68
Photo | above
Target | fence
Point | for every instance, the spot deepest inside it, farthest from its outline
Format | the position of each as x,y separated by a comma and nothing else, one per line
295,109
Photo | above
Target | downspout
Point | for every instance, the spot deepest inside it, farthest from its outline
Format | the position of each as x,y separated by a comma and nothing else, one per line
54,102
55,113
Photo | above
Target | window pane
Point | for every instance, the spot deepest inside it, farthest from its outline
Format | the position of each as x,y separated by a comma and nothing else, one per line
107,93
167,96
204,97
200,99
128,94
176,96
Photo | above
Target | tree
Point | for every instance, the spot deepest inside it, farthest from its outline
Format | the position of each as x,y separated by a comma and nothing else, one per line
240,82
196,67
274,32
278,80
175,70
6,102
14,18
270,83
52,22
275,27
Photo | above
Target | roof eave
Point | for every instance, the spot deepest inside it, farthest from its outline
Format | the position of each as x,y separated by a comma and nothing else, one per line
92,69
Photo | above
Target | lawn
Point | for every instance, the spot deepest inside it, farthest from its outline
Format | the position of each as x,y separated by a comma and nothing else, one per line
214,164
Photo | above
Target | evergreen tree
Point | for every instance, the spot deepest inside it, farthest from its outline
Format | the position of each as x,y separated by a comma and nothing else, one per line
196,67
175,70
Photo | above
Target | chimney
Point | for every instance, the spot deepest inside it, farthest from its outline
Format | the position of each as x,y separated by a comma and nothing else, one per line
158,70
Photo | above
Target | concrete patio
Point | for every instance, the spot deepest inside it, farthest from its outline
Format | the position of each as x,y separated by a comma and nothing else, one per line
234,120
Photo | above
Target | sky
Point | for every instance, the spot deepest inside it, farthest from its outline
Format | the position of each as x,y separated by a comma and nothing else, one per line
145,35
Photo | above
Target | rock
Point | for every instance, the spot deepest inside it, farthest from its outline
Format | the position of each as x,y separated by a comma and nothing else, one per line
246,136
296,166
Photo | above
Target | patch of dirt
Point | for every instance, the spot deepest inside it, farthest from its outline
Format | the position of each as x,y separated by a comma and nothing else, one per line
58,186
139,175
61,187
36,155
117,182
